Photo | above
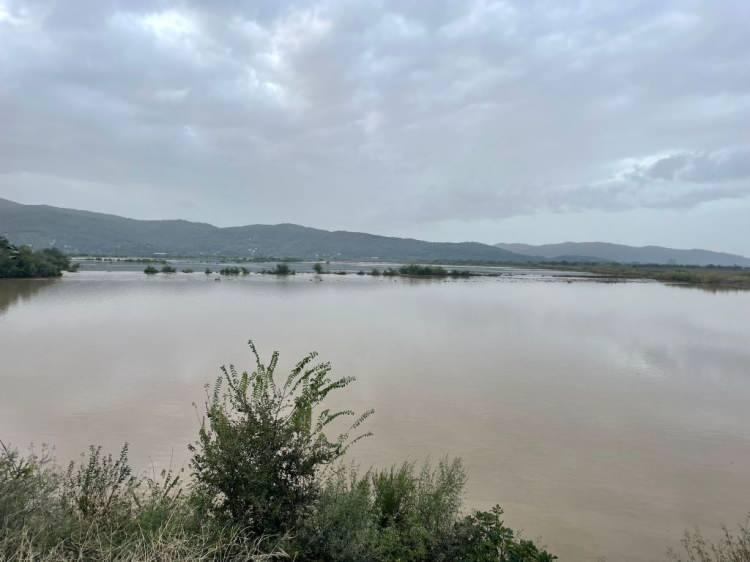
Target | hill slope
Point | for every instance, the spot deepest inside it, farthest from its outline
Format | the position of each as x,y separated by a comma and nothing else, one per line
588,251
95,233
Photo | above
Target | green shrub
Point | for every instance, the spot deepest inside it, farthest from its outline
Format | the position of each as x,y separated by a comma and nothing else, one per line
483,537
97,510
406,515
23,262
150,270
263,487
168,269
260,450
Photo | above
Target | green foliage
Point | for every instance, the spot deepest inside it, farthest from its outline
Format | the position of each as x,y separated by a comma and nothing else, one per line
100,486
23,262
187,270
168,269
98,510
231,270
318,268
260,449
407,515
150,270
483,537
416,270
208,271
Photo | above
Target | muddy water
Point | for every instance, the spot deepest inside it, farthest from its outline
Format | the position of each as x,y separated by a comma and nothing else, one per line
605,418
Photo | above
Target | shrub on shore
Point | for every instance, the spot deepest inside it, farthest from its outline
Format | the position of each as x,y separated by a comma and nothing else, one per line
266,484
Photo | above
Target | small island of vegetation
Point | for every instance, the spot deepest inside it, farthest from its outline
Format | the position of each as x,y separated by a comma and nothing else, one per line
17,262
281,269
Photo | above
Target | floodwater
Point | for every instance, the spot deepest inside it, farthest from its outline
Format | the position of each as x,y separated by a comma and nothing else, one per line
604,418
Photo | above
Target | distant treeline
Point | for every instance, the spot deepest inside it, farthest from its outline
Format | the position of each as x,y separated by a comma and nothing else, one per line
706,277
24,262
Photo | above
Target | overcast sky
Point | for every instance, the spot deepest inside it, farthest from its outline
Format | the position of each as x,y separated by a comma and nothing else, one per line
623,121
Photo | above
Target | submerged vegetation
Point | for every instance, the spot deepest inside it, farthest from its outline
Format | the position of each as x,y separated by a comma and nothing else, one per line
281,269
414,270
266,483
708,277
24,262
232,271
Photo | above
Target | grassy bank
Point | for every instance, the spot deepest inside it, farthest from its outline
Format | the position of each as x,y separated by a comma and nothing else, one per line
266,481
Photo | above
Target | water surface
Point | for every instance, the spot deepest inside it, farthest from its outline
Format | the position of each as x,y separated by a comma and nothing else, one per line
605,418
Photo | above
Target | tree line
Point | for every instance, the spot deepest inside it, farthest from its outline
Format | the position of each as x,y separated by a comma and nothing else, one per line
24,262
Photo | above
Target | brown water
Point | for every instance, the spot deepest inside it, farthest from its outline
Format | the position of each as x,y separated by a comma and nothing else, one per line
605,418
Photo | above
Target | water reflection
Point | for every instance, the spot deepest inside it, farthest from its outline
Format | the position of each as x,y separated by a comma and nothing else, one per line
13,291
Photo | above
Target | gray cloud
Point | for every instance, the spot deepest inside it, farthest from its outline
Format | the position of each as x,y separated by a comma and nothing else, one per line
374,115
702,167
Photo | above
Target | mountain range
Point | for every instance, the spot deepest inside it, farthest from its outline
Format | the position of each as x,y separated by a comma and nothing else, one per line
86,232
605,252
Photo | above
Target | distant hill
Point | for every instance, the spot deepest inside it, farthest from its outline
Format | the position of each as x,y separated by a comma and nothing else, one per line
601,251
95,233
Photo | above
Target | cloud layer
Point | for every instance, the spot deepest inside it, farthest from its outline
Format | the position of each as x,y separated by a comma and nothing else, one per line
394,116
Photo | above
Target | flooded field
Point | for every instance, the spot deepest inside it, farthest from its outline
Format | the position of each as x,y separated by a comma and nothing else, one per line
605,418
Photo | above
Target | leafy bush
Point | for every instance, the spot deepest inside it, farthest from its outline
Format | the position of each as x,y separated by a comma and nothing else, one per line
150,270
406,515
168,269
260,450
